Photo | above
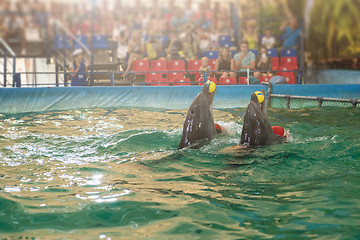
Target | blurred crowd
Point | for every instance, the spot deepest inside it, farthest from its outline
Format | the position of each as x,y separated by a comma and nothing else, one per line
157,31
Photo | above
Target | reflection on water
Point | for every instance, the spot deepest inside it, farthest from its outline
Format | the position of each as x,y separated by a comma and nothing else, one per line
118,173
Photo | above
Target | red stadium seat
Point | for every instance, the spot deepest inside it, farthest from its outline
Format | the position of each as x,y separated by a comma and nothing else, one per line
275,63
227,81
156,76
176,65
212,63
141,66
194,65
264,79
289,62
156,79
289,76
243,80
181,82
159,65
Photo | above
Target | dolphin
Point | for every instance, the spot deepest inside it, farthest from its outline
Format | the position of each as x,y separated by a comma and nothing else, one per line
199,122
257,129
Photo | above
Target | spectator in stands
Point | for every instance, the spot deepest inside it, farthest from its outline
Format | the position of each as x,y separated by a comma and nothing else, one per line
152,48
214,38
190,47
39,12
203,40
202,21
78,69
178,20
157,22
216,15
120,29
122,48
188,30
204,8
204,68
188,10
263,63
135,50
250,36
223,26
174,48
169,13
268,40
291,33
85,25
224,63
244,60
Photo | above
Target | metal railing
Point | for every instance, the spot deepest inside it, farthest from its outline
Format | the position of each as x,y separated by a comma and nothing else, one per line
7,49
132,78
318,99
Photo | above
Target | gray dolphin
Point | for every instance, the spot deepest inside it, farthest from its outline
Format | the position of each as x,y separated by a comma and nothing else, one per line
257,129
199,121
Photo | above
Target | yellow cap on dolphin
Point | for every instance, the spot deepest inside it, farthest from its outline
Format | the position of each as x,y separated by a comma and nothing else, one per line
260,96
212,86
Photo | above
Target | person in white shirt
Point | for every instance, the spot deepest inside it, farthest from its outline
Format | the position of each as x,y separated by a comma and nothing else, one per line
268,40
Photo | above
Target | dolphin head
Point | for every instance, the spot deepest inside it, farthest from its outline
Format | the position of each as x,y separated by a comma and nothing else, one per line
209,91
255,99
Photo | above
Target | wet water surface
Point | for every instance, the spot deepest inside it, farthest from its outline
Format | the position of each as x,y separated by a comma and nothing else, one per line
106,174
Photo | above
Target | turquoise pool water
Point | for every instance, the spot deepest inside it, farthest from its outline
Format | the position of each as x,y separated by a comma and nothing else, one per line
117,173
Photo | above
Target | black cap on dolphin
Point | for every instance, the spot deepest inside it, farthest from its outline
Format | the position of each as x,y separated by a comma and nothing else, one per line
199,121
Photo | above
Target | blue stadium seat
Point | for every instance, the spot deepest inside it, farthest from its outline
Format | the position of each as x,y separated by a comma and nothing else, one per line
272,52
290,52
99,41
211,54
83,39
225,40
59,42
226,44
254,51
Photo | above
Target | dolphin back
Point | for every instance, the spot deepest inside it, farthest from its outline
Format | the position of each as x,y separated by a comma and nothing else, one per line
198,124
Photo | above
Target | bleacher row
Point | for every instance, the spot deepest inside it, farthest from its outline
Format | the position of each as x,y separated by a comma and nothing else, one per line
286,62
101,42
174,72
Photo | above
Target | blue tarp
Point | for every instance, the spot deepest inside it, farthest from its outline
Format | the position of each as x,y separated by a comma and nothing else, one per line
21,100
335,76
349,91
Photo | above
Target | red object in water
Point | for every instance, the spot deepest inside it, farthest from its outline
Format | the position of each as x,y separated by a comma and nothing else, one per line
218,128
279,130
